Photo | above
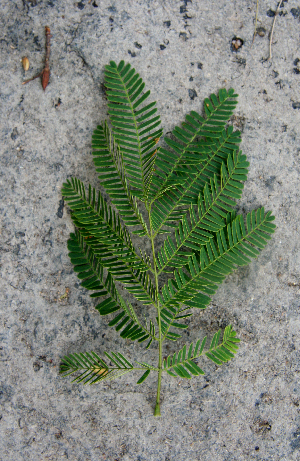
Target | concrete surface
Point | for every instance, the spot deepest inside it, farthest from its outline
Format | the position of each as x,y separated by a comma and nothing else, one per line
246,410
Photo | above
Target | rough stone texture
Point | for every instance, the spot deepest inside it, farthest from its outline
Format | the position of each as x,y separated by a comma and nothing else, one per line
245,410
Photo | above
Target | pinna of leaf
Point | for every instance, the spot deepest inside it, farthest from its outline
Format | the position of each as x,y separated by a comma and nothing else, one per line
188,189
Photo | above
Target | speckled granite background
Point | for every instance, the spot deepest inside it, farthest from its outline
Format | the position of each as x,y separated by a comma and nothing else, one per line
245,410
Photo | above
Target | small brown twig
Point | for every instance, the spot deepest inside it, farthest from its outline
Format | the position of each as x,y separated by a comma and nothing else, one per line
45,73
272,30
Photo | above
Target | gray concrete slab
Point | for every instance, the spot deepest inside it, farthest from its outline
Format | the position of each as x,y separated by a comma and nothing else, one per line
246,410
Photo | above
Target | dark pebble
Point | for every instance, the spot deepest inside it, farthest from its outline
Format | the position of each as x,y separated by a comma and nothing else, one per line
296,12
192,94
60,211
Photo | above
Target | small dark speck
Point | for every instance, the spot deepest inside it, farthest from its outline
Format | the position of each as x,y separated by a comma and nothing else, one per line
280,84
57,167
113,9
95,5
60,211
167,23
111,19
37,43
270,182
261,31
37,366
180,101
192,63
137,45
19,234
80,5
183,9
297,64
271,13
58,103
256,448
241,61
295,444
192,94
183,35
16,249
296,12
132,53
191,79
103,335
296,105
14,134
162,47
275,74
199,65
284,128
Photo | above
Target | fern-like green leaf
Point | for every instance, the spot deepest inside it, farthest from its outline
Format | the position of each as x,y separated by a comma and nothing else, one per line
198,227
172,204
182,364
90,270
108,160
136,282
136,126
101,221
188,188
177,165
94,369
225,351
206,270
101,227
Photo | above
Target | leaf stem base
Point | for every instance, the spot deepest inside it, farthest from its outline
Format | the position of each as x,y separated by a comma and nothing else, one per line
157,410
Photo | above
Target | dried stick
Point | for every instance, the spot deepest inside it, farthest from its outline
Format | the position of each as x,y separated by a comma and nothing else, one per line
272,30
45,73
